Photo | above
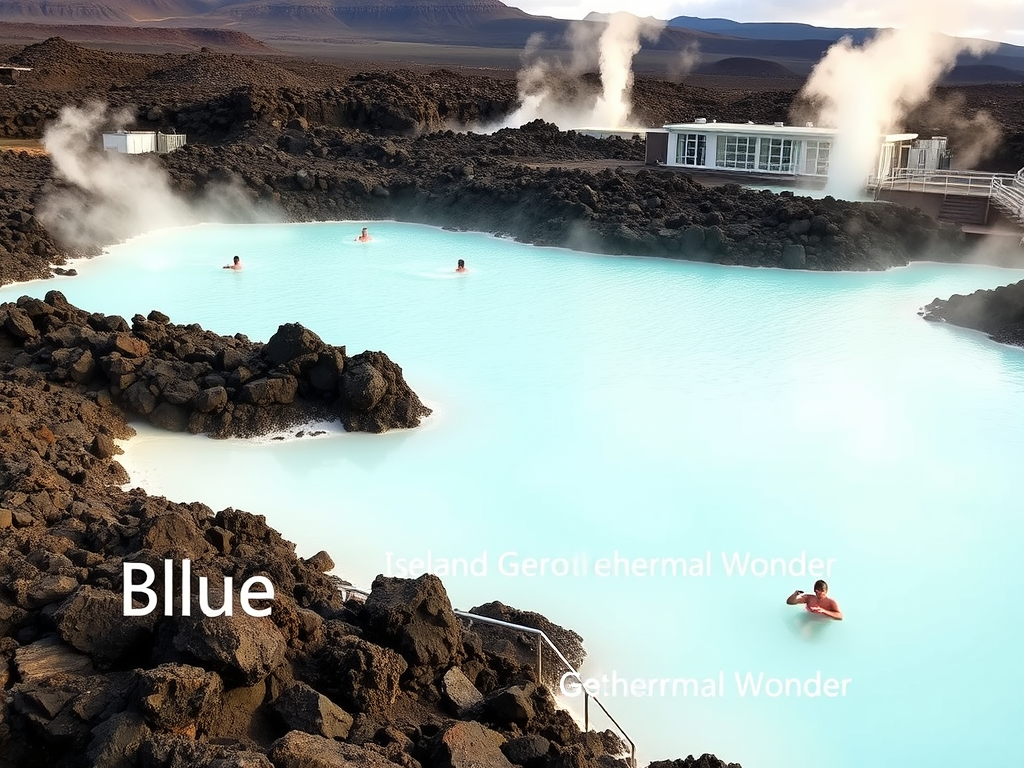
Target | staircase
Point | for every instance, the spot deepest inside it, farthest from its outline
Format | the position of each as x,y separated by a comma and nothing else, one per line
960,209
1008,196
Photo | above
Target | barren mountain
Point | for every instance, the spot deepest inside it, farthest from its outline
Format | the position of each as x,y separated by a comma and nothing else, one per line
257,13
103,11
134,38
479,24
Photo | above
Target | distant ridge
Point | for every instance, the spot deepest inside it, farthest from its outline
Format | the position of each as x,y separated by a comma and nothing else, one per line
101,11
772,30
166,38
743,66
374,14
479,24
965,74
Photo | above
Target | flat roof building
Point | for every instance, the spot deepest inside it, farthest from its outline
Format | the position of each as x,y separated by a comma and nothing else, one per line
141,142
778,150
9,73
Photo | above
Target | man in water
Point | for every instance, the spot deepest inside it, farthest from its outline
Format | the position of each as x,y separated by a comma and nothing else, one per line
461,267
364,236
235,264
819,602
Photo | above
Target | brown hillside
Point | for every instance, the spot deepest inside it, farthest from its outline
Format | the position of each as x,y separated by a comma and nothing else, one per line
132,38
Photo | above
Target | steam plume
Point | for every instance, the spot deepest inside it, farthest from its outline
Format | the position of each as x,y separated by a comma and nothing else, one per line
867,91
974,136
550,90
110,196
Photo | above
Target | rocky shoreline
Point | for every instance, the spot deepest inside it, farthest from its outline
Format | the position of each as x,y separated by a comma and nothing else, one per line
396,680
289,141
89,678
998,312
330,174
182,378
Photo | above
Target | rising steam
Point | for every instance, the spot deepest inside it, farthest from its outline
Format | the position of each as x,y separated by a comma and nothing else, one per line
108,196
553,91
867,91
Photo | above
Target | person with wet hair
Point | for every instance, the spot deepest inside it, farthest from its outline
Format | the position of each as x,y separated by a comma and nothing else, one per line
819,602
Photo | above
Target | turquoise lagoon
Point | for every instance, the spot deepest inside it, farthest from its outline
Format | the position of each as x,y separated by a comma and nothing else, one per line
599,420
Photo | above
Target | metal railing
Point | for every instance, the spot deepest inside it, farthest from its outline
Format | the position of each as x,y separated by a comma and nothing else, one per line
1008,196
471,617
347,591
944,182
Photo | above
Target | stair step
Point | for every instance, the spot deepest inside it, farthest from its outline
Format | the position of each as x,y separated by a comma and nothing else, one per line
958,209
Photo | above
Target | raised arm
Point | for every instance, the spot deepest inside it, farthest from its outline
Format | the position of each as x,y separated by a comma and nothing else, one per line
796,598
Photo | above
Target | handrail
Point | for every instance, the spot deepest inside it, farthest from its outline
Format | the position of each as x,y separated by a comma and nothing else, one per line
945,181
471,617
1009,196
347,590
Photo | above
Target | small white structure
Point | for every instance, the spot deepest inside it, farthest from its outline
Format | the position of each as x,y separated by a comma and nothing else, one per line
9,72
929,154
140,142
797,151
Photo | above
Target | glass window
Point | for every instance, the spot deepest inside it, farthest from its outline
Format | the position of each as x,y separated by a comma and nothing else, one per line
691,149
778,155
816,161
736,152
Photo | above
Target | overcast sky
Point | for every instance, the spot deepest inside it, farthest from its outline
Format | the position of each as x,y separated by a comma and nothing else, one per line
989,19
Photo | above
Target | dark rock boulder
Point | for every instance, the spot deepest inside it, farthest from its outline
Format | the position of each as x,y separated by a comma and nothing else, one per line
375,396
321,562
17,323
415,618
459,693
177,697
512,705
363,386
48,659
362,676
117,741
243,649
92,620
523,646
469,745
292,341
303,750
527,751
304,709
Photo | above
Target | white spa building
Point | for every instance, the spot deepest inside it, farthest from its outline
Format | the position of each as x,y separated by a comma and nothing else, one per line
779,150
142,142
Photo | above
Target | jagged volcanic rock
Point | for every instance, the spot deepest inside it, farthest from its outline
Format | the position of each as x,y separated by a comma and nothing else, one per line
183,378
998,312
318,681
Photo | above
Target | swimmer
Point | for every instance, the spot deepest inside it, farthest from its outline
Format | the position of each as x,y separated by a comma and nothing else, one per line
819,602
236,264
364,236
461,266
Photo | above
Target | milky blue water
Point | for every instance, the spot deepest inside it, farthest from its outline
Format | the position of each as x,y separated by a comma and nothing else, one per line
589,408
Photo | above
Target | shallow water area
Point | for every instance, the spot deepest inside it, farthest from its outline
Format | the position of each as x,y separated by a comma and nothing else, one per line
654,453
